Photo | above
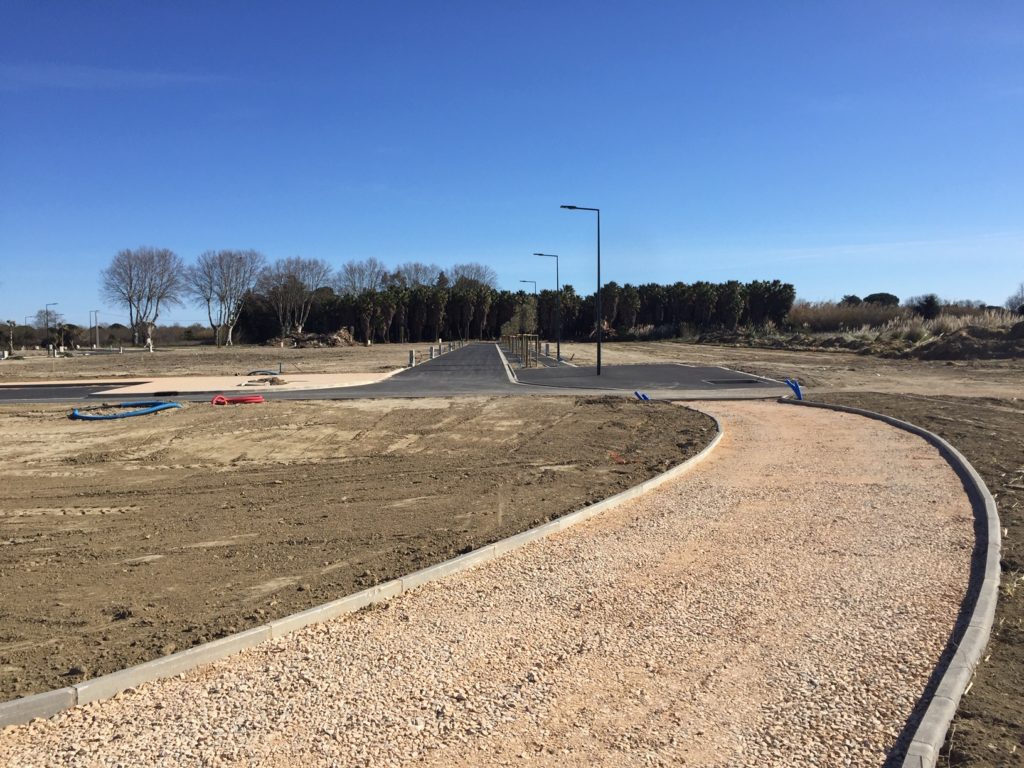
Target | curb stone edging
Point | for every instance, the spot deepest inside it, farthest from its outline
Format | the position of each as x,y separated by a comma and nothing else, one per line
512,378
50,703
971,633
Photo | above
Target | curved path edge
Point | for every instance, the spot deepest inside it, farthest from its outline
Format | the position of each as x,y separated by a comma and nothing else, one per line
50,703
974,625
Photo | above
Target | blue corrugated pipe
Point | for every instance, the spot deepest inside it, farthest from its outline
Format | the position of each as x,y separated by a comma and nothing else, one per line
144,406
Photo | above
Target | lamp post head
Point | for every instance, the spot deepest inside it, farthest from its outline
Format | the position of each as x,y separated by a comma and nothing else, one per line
568,207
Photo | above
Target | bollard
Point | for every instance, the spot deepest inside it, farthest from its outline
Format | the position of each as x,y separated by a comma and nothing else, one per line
431,351
412,358
547,349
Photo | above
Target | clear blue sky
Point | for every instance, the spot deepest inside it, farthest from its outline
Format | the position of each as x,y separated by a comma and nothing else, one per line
844,147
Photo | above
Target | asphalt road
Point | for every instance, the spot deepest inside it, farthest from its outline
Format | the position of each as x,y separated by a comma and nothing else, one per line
476,369
655,376
50,393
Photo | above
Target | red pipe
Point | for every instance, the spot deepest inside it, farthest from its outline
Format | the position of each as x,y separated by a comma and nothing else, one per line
221,400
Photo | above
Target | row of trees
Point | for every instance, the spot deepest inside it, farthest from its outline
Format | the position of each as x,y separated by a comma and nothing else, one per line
414,302
401,309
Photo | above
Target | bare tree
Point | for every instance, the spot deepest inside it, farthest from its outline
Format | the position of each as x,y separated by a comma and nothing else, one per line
47,318
414,273
357,277
289,285
1015,303
143,279
220,280
479,273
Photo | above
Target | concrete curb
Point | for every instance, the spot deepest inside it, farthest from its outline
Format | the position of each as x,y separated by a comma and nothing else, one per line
971,634
50,703
513,379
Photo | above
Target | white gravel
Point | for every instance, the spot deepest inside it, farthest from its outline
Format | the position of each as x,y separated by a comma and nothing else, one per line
781,605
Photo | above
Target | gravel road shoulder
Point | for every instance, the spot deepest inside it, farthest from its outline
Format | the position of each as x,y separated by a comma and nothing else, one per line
783,604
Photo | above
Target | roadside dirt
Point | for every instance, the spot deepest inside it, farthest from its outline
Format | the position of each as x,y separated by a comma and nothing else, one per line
123,541
207,361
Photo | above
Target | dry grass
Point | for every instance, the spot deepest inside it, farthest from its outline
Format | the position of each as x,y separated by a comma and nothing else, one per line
872,322
829,317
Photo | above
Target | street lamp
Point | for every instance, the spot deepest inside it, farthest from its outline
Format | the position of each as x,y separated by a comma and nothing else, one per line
558,306
95,312
597,298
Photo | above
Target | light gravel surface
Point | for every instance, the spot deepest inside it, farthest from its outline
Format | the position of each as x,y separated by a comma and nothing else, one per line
781,605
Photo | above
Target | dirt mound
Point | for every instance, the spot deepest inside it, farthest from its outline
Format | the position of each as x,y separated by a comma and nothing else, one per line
340,338
972,343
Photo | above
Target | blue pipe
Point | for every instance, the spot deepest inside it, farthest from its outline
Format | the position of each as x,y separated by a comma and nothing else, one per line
795,386
143,406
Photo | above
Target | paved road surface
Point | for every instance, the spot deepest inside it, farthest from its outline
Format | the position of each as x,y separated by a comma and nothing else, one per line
476,369
657,376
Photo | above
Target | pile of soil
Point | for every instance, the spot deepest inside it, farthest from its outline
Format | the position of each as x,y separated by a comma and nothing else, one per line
970,343
126,540
988,729
973,343
340,338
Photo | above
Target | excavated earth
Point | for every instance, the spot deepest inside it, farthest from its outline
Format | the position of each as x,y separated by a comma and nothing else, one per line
126,540
782,604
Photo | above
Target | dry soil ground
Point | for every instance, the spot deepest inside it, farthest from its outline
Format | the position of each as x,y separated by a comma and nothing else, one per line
122,541
977,405
781,605
208,361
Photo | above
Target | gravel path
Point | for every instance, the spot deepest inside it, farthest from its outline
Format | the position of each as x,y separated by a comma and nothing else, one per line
781,605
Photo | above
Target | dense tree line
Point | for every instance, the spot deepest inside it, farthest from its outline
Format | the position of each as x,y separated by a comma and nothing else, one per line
240,290
420,302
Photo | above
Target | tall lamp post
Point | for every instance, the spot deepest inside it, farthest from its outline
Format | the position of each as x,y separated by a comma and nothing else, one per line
95,313
597,298
558,306
536,309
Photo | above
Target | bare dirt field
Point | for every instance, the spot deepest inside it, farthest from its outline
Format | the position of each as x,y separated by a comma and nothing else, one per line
781,605
207,361
976,404
126,540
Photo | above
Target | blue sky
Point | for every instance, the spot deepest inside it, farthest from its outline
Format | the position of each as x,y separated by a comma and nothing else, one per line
843,147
